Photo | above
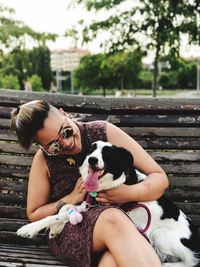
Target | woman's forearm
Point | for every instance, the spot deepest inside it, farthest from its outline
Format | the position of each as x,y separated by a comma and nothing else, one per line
48,209
149,189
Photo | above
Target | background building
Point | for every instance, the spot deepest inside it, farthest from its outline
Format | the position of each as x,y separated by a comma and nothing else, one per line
63,63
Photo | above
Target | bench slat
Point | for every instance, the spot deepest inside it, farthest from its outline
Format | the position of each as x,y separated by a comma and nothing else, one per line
6,147
13,173
16,160
170,167
14,98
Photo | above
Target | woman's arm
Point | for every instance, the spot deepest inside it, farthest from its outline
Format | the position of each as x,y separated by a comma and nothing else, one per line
151,188
39,191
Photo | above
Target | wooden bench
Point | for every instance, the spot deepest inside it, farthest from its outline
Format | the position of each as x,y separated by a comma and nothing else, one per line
168,128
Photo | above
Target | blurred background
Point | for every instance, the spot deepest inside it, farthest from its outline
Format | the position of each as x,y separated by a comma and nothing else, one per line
120,48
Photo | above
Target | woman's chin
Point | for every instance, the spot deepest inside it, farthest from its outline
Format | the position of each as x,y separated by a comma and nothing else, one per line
72,150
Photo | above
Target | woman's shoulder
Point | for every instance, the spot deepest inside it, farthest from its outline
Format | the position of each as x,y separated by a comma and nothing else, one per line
39,157
96,124
96,130
39,163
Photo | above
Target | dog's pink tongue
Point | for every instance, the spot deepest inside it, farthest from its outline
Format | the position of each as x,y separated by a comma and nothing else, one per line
91,183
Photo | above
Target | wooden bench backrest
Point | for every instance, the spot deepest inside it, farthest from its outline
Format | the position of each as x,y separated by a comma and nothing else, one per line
169,129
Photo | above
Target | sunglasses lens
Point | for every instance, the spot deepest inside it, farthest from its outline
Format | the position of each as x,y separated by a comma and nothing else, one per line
54,148
67,132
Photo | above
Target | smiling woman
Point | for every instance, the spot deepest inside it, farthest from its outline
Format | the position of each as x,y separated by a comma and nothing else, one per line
106,236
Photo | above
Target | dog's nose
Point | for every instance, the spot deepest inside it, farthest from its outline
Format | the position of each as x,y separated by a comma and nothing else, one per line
92,161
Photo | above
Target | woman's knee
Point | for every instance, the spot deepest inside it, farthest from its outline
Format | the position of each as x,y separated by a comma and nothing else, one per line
113,217
107,260
111,222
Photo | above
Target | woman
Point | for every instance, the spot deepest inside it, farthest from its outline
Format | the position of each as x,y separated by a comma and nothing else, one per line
106,236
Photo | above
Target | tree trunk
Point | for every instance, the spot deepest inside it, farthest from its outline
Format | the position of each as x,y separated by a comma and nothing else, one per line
104,91
155,71
122,83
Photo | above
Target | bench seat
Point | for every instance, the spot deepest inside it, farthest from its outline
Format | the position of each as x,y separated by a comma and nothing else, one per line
169,129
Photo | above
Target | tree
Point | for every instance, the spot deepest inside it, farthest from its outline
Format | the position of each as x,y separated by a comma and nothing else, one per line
151,24
87,75
119,70
40,61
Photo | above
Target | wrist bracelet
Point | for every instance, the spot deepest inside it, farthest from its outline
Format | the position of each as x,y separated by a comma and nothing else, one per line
59,205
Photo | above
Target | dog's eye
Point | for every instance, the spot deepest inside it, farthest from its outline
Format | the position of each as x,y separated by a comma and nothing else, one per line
92,148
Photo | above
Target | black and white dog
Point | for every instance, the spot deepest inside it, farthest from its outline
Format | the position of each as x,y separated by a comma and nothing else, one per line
171,232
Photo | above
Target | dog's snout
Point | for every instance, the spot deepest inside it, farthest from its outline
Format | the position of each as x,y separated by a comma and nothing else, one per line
92,161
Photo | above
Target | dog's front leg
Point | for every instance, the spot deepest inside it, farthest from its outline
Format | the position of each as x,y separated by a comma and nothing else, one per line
32,229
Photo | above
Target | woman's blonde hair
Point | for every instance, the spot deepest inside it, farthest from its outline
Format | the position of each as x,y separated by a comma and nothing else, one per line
27,119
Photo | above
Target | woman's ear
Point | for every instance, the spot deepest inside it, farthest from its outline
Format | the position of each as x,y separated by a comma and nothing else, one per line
63,112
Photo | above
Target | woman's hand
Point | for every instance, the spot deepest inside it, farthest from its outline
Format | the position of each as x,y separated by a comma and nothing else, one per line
117,195
78,194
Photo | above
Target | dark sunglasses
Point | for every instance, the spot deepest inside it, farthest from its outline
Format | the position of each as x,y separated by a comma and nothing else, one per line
55,147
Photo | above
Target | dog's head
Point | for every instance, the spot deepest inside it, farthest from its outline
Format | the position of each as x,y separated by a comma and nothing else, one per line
107,159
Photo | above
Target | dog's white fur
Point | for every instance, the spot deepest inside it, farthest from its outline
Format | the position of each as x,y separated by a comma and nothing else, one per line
164,234
55,223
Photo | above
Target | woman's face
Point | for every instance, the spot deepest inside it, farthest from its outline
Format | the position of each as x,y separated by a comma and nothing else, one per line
60,135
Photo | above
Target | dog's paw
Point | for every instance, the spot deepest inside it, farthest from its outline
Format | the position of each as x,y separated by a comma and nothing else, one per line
27,231
55,230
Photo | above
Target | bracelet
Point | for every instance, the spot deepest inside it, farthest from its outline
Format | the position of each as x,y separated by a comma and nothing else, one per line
59,205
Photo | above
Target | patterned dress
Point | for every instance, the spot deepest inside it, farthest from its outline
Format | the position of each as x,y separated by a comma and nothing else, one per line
73,245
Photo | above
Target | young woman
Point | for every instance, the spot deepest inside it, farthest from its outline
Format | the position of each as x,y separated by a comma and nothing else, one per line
106,236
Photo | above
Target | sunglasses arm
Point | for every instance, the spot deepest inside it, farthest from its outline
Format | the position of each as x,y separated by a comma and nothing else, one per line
64,112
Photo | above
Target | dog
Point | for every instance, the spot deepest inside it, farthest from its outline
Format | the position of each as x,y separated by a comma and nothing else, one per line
171,232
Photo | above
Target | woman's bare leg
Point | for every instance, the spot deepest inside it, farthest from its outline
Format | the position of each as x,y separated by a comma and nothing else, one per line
107,260
115,231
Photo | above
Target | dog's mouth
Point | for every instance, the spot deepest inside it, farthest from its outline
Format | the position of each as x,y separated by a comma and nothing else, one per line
92,181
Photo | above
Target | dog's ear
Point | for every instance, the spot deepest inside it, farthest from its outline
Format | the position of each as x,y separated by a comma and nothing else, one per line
127,161
126,158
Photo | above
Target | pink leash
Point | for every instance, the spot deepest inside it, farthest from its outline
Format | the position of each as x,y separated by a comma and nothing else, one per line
135,206
89,199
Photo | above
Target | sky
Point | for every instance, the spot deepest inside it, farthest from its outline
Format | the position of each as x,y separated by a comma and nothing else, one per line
54,16
51,16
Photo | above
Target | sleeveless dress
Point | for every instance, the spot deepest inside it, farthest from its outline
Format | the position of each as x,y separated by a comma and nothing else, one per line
73,245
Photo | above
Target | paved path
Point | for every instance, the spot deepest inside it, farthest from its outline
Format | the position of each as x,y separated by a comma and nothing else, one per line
188,94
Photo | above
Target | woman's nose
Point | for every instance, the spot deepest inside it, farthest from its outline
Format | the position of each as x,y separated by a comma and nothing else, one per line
65,142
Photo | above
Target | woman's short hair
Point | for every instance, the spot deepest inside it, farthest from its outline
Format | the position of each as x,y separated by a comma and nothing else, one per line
27,119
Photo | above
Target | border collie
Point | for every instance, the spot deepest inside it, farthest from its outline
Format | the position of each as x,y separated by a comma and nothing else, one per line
171,232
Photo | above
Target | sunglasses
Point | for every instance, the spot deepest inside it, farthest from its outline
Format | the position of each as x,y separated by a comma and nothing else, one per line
55,147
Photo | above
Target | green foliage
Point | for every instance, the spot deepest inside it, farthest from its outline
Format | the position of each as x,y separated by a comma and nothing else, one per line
187,75
145,79
119,70
88,74
24,63
9,82
35,82
40,65
182,75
